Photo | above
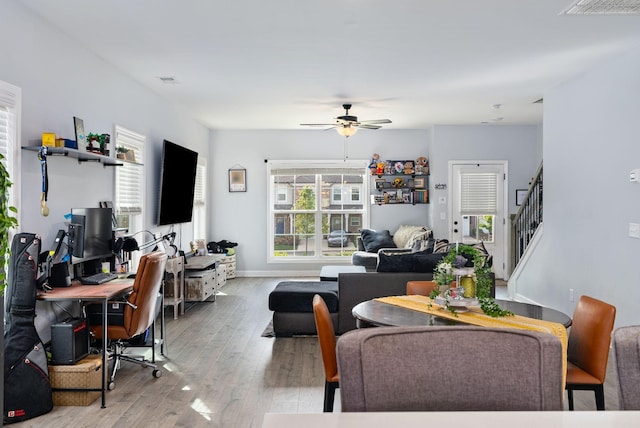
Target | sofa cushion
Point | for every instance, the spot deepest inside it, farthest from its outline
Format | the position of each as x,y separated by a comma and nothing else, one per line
374,240
422,262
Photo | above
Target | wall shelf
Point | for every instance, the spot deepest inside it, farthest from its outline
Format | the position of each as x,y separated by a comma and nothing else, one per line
77,154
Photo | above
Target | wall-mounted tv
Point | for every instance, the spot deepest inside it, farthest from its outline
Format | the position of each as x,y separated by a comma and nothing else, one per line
177,184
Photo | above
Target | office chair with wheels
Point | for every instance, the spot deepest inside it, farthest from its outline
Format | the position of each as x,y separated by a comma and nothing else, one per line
327,339
140,311
588,348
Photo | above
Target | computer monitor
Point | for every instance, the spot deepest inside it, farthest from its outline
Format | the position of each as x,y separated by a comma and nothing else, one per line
90,234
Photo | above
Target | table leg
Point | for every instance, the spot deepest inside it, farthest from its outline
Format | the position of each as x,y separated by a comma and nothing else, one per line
105,371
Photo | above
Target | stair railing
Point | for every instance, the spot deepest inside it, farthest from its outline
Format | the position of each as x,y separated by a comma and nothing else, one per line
527,219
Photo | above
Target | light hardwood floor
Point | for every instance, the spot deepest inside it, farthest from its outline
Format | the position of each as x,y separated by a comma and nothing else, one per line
220,372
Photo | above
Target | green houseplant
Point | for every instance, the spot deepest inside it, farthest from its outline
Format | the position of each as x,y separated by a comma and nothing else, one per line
443,275
7,221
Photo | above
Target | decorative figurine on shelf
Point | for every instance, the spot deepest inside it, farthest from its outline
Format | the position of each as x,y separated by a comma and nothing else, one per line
422,165
398,182
380,168
373,165
408,168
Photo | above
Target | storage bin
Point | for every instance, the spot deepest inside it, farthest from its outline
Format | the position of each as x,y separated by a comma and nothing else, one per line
84,374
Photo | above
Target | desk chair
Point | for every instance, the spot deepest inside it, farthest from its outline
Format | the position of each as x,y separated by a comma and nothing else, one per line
327,339
449,368
588,348
140,311
626,347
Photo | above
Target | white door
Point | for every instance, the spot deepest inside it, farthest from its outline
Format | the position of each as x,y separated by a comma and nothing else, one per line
477,207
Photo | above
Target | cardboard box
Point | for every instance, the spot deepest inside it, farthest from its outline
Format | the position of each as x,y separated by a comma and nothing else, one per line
84,374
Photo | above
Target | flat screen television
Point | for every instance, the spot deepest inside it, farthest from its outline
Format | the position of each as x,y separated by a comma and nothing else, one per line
177,184
90,234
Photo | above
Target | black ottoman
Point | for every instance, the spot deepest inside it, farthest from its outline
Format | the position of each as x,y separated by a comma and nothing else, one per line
292,306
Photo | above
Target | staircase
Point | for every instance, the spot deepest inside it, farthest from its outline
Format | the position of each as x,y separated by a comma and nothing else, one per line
527,220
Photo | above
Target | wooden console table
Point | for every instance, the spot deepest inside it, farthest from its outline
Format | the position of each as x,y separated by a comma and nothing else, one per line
175,266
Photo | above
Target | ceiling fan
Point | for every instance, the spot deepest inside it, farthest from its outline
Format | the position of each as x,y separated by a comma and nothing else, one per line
348,125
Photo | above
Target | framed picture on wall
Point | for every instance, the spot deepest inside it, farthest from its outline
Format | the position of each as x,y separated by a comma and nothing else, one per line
520,195
81,138
237,180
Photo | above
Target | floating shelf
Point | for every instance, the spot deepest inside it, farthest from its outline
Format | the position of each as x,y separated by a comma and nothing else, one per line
77,154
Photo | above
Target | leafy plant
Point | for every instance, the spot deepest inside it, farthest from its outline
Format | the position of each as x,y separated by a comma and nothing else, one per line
483,279
7,221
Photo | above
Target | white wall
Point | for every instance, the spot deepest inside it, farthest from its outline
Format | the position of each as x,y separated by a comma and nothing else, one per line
519,145
242,217
591,142
60,79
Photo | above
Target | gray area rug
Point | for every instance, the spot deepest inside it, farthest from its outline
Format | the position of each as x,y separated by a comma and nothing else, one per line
268,331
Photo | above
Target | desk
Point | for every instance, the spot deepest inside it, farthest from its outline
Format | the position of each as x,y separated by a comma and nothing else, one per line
93,293
559,419
377,313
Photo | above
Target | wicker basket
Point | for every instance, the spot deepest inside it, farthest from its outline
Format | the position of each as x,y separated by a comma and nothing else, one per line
84,374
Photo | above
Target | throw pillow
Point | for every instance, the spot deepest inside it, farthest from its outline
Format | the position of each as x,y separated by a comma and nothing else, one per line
417,238
441,246
374,240
423,246
405,232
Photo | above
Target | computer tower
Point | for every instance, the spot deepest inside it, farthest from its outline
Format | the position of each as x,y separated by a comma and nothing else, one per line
69,341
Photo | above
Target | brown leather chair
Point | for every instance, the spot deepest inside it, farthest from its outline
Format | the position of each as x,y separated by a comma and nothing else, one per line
422,288
327,339
140,311
588,349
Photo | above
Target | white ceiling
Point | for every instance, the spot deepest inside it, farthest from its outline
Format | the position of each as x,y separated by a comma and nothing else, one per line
273,64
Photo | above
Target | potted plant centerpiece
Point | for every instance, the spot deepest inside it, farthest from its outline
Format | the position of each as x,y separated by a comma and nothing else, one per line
448,291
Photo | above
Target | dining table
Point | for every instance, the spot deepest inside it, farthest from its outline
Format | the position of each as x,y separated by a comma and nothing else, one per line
377,313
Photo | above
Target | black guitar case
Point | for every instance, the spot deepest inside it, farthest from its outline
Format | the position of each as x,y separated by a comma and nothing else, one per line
27,390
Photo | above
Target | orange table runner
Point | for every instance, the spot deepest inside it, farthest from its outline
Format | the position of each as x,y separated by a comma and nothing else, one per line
475,316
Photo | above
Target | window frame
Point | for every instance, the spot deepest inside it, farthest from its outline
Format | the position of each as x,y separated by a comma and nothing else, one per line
320,212
11,100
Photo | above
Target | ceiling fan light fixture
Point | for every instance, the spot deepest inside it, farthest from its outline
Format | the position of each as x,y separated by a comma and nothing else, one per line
346,130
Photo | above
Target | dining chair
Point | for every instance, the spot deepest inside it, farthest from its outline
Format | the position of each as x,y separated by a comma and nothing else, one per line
444,368
588,348
327,339
422,288
626,348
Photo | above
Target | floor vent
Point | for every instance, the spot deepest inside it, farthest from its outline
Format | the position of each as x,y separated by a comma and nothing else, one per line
604,7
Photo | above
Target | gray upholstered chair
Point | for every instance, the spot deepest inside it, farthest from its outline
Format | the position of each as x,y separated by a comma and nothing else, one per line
626,346
449,368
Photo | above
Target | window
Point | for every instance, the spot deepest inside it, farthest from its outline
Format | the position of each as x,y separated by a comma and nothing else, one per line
478,205
129,191
316,209
199,200
10,112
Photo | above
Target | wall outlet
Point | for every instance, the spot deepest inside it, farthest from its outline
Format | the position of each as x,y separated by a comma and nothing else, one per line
571,294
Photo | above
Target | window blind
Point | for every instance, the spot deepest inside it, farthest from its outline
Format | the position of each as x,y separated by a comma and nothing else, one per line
200,188
478,193
130,176
10,97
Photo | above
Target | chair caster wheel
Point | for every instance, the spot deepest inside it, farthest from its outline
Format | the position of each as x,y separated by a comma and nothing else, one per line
111,385
157,373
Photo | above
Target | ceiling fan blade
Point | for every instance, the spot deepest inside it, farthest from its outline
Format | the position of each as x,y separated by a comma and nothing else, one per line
375,121
318,124
369,126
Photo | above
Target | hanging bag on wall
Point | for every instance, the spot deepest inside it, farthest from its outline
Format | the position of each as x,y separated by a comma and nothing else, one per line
27,390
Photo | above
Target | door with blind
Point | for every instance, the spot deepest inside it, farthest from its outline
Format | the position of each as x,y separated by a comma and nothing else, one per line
477,207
